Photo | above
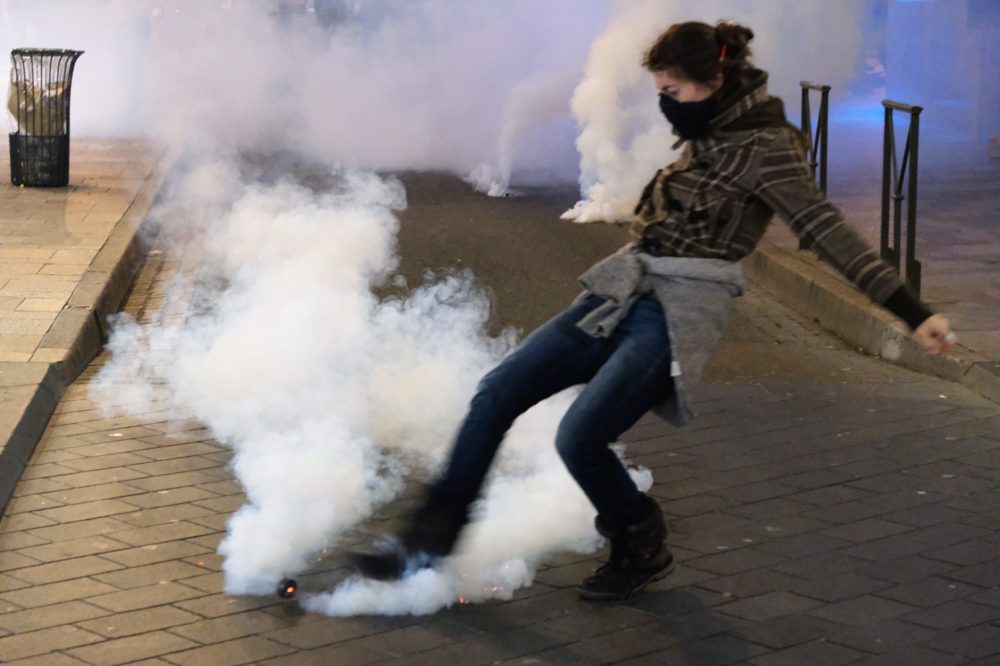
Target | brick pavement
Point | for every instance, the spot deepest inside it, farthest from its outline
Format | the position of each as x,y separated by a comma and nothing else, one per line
66,255
826,509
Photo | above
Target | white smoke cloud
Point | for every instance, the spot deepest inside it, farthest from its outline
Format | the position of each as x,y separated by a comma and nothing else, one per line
330,397
396,85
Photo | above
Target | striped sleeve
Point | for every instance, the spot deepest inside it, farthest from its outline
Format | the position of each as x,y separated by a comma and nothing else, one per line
787,187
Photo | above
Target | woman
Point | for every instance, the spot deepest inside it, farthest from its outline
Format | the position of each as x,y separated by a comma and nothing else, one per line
652,312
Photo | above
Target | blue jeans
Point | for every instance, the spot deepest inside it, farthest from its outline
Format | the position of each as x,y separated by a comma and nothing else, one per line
625,374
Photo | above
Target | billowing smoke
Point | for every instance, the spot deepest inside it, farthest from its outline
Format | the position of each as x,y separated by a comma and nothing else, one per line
329,396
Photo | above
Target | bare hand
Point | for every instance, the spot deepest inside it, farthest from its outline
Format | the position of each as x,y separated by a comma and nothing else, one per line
935,335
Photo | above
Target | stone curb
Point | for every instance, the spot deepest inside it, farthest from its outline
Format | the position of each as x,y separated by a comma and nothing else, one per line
79,329
805,285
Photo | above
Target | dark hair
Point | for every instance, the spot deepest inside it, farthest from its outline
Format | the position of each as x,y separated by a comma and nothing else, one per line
695,50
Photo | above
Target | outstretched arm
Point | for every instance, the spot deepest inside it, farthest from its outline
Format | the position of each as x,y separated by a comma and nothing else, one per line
787,187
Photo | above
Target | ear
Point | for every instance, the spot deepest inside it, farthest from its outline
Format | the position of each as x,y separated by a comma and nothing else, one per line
717,81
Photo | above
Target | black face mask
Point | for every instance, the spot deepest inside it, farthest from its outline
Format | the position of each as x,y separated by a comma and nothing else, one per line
690,119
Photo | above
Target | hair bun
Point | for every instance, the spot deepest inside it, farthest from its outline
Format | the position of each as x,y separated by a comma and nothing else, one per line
736,38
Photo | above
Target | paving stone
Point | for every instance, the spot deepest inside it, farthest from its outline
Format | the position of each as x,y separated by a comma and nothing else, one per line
968,553
207,582
820,566
153,553
888,548
53,593
241,651
866,530
838,587
599,621
735,561
118,446
85,511
619,646
98,462
29,503
64,570
750,583
142,597
119,625
928,592
784,632
19,646
92,493
846,512
414,639
912,656
169,497
905,569
63,550
862,610
882,637
160,533
217,605
138,576
991,597
953,615
817,652
169,481
24,522
80,529
15,560
983,575
99,477
132,648
69,612
769,605
333,655
978,642
721,649
50,659
802,545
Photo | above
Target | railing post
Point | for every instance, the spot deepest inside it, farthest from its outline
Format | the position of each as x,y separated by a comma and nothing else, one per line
893,174
817,143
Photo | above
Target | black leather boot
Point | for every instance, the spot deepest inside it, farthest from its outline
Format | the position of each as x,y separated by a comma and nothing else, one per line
639,556
430,537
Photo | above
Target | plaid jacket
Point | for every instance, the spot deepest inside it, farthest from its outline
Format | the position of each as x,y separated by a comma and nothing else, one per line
717,200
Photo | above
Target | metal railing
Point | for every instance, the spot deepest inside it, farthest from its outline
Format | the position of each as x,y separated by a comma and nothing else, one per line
817,141
893,175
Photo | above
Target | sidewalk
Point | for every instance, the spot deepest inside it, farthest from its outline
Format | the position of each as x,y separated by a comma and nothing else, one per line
67,259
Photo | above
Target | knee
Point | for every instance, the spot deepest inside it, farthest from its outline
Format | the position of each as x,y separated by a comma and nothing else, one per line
572,442
493,396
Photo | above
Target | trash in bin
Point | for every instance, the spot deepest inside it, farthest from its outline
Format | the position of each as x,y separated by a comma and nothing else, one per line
39,98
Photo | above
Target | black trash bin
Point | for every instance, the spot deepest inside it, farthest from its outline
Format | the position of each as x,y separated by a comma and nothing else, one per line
40,85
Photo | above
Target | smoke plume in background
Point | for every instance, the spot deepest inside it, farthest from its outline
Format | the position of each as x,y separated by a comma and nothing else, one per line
395,84
484,91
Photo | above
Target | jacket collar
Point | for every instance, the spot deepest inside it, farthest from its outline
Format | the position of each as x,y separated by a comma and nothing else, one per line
751,91
736,101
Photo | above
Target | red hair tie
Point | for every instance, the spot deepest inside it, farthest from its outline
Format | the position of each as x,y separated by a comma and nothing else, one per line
722,56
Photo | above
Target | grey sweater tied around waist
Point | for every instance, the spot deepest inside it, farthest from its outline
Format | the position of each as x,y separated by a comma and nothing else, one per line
695,295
